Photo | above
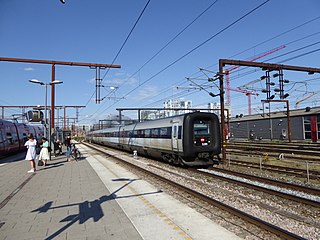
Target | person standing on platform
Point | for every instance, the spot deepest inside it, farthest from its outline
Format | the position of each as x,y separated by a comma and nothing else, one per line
69,146
44,153
57,148
31,153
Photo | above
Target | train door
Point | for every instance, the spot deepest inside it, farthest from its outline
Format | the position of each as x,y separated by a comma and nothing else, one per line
2,146
175,137
122,136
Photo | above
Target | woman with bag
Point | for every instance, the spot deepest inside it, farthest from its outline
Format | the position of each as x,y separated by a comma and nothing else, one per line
31,153
44,153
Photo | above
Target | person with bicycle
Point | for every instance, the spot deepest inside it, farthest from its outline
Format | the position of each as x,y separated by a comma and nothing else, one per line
57,148
68,144
75,152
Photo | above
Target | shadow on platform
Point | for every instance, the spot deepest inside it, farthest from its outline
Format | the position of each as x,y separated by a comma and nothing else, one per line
87,209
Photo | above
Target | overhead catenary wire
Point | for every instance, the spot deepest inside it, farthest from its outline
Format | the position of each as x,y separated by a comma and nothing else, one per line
194,49
303,24
174,38
200,45
159,51
122,46
278,56
279,35
203,87
127,38
272,38
273,58
301,55
286,44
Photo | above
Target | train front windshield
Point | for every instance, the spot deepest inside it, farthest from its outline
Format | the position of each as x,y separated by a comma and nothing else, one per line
201,133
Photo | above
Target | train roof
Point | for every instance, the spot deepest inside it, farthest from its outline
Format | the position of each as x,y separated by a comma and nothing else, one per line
280,114
162,122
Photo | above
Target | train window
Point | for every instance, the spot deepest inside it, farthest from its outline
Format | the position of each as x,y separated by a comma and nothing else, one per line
155,132
175,131
24,137
179,132
201,127
147,133
140,134
9,138
135,133
163,132
201,131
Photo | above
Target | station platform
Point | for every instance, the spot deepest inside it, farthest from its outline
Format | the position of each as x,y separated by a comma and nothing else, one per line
92,198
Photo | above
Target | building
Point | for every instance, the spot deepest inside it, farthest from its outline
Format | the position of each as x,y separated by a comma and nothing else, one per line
216,109
304,126
176,104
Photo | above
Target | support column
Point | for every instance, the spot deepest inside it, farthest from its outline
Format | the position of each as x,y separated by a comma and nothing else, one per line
98,85
221,87
52,96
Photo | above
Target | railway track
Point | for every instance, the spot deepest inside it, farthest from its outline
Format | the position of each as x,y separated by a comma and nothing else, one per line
291,186
268,186
281,233
257,186
302,152
278,169
282,145
229,176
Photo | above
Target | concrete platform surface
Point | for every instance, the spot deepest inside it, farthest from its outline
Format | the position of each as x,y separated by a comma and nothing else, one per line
92,199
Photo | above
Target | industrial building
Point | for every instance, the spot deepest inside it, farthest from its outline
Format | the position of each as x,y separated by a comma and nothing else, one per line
304,125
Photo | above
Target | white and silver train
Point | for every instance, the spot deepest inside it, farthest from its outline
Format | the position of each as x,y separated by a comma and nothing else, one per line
191,139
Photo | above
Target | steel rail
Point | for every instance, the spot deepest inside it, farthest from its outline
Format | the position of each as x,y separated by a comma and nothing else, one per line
278,169
275,149
253,147
292,186
267,190
255,187
297,158
299,145
282,233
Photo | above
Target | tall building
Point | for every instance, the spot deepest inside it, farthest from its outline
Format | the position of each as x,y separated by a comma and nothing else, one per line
215,106
176,104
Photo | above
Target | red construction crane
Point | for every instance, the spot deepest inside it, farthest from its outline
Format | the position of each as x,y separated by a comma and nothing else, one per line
248,94
227,71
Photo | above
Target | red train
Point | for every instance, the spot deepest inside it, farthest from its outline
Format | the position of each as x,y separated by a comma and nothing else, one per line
14,135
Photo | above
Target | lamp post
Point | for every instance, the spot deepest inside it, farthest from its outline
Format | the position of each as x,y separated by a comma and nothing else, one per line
45,105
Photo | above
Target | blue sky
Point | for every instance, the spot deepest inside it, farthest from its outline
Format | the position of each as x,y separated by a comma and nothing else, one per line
93,31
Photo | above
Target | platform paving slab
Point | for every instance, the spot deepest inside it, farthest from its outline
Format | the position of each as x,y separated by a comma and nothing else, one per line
64,200
155,214
94,198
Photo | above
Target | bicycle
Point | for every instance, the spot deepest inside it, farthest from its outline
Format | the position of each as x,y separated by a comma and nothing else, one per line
75,153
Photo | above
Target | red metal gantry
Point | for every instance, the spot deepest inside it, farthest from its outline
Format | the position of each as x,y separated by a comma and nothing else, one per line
248,93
